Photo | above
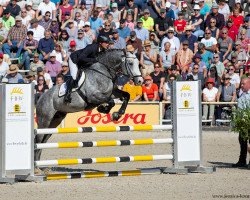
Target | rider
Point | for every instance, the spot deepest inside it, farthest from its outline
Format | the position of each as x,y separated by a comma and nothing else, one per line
84,58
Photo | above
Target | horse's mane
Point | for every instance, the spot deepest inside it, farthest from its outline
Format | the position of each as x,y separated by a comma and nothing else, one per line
108,54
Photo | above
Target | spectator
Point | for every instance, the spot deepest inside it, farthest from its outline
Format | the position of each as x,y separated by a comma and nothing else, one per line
25,18
59,79
53,67
13,76
220,68
129,22
104,4
134,90
95,21
158,78
30,47
202,65
63,9
8,20
81,40
45,20
101,13
212,73
119,43
246,26
186,9
88,32
215,31
38,30
206,56
154,40
131,8
169,12
209,41
135,42
179,24
245,41
220,20
45,7
64,40
83,12
232,29
237,18
13,8
209,94
148,58
35,4
123,30
3,67
141,33
78,22
41,71
40,88
167,57
46,46
30,11
197,22
60,52
224,9
16,36
150,90
107,31
72,48
162,23
3,34
65,73
148,22
54,29
196,75
151,6
184,58
204,8
235,78
192,39
116,13
71,29
174,41
35,64
174,70
225,44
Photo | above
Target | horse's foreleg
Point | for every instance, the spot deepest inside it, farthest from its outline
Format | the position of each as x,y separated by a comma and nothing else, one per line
106,108
124,97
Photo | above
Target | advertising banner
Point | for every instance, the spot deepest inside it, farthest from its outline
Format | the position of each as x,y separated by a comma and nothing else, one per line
136,114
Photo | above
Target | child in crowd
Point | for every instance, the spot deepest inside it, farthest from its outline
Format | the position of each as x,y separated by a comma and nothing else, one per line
129,22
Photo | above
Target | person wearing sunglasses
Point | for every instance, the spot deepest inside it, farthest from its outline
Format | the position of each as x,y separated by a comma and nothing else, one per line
244,40
45,20
220,20
215,31
225,44
174,41
8,20
106,31
46,6
220,67
235,78
209,41
197,22
40,88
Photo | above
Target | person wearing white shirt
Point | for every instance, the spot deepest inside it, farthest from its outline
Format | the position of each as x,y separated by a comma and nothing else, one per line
37,29
45,6
174,41
235,78
3,67
224,9
209,41
25,17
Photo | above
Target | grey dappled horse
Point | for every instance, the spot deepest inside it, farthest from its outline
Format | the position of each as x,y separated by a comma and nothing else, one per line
97,90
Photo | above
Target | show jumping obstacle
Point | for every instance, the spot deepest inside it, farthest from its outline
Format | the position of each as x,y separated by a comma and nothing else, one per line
18,149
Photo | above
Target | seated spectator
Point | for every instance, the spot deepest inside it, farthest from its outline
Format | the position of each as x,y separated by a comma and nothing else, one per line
41,71
192,39
64,40
150,90
239,5
81,40
148,58
78,22
106,31
53,67
45,7
214,30
167,57
40,88
135,91
111,21
13,76
123,30
196,75
35,4
63,9
119,43
212,73
220,68
225,44
30,47
8,20
3,34
204,8
158,77
35,64
184,57
209,94
72,48
95,21
16,36
116,13
154,40
245,40
82,10
206,56
38,30
3,67
179,24
174,41
59,79
101,13
209,41
224,9
235,78
129,22
232,29
174,70
25,18
89,33
246,26
220,20
148,22
54,28
131,8
71,29
65,73
169,12
13,8
197,21
202,65
46,46
141,33
136,43
186,9
237,18
45,20
30,11
226,93
60,52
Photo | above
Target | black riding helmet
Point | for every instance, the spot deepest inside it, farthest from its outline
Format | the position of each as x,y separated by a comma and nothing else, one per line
103,39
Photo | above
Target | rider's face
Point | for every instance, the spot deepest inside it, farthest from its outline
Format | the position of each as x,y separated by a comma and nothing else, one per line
104,45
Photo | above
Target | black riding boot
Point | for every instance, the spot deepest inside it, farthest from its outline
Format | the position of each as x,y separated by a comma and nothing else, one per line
71,84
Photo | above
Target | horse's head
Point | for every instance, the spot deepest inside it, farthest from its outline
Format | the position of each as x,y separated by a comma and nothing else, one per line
131,68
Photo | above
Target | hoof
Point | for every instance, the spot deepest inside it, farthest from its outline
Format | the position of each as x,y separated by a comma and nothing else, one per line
115,116
103,109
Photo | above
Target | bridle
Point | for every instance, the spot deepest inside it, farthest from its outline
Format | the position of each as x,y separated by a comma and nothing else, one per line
129,71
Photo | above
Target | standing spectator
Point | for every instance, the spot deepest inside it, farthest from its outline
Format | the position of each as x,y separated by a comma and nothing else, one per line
63,9
37,29
53,67
134,90
35,64
150,90
237,18
46,46
107,31
215,31
88,32
95,21
209,41
148,22
60,52
45,20
81,40
224,9
209,94
225,44
148,58
8,20
162,23
3,67
174,41
232,29
40,88
158,78
235,78
179,24
13,8
131,8
243,103
192,39
220,21
197,22
46,6
167,57
119,43
141,33
16,36
136,43
13,76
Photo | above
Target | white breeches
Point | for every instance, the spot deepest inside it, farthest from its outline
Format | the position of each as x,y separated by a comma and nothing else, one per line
73,69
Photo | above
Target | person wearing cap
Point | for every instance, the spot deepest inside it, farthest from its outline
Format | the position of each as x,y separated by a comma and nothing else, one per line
197,22
25,18
169,12
237,18
46,6
141,33
81,41
95,21
88,32
13,76
123,30
35,64
119,42
135,91
116,13
224,9
136,43
130,8
16,36
37,29
202,69
8,20
162,23
209,94
179,24
53,67
13,8
192,39
65,8
239,5
220,20
186,9
174,41
46,46
3,67
29,10
147,21
72,48
150,89
107,30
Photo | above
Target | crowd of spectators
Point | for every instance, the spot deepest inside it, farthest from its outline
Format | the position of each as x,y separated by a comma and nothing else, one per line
206,40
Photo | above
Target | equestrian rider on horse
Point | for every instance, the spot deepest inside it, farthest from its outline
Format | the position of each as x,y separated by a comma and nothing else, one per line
84,58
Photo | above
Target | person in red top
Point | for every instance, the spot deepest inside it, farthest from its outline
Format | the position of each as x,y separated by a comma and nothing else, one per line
65,9
232,29
179,24
150,90
237,18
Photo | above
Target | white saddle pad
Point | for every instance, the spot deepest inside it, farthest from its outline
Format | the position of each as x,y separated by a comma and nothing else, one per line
63,87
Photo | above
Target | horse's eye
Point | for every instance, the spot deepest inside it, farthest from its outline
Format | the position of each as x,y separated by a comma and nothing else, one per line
130,62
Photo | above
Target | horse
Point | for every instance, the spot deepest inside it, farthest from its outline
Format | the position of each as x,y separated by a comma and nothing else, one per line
98,90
